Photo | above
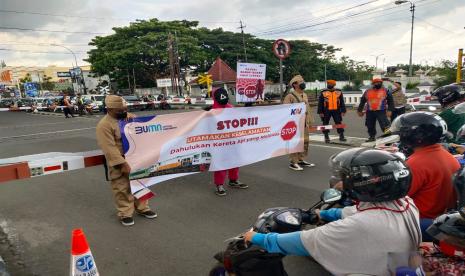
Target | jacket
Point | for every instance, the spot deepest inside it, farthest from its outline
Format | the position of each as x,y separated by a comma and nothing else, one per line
376,100
331,100
399,98
294,97
110,142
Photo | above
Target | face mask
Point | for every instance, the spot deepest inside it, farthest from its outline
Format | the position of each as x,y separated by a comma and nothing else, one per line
222,97
377,85
302,86
330,86
121,115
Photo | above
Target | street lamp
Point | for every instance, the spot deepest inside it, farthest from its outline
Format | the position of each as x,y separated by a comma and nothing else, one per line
75,60
412,9
377,56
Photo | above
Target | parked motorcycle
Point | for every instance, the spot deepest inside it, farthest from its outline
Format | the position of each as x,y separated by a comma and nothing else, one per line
243,259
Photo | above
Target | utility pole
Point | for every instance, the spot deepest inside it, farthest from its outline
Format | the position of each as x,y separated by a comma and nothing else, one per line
171,55
134,77
412,9
178,67
459,66
243,39
129,80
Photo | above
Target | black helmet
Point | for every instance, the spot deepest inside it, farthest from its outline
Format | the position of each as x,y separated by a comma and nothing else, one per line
371,175
419,129
449,231
448,94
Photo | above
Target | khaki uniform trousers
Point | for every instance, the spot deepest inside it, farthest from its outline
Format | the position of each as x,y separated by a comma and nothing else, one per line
299,156
125,202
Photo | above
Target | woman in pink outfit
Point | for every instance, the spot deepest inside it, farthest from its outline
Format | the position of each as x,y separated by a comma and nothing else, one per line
221,100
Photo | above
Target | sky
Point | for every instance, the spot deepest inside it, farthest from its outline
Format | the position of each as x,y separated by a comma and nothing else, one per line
363,29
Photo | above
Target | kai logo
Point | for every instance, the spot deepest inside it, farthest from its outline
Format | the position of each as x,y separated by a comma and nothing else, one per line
149,128
296,111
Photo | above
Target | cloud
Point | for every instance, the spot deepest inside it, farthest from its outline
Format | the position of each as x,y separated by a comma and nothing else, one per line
386,31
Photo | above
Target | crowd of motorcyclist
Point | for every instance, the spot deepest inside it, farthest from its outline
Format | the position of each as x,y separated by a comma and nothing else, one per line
395,205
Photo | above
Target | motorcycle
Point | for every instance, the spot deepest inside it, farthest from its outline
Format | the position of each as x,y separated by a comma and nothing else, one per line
243,259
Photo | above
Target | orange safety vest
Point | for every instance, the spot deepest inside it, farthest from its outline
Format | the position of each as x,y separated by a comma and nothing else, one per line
332,99
376,99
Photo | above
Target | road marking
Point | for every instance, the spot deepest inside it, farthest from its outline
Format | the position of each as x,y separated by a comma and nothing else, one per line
45,133
331,147
35,125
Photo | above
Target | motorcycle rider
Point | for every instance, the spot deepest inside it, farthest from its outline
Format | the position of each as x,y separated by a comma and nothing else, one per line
359,237
447,253
449,96
431,165
331,104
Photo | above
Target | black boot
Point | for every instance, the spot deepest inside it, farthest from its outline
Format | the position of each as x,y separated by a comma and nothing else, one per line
327,140
342,138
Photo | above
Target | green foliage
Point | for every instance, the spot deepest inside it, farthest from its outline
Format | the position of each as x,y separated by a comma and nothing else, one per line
447,72
47,84
411,85
143,46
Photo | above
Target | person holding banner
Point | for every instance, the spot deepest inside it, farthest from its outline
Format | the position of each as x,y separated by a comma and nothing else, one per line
297,96
109,140
221,100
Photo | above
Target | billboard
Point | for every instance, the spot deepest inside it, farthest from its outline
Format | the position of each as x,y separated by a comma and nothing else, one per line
163,82
250,82
31,89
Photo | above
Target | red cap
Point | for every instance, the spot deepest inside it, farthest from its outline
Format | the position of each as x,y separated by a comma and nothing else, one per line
376,80
79,244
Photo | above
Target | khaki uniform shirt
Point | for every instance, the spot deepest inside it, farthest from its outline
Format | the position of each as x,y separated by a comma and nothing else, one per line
109,140
303,98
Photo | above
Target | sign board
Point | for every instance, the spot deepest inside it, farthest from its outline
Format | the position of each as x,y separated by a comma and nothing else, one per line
250,82
63,74
75,72
281,48
104,89
31,89
208,141
163,82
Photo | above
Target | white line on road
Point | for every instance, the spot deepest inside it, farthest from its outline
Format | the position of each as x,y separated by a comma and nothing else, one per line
330,147
45,133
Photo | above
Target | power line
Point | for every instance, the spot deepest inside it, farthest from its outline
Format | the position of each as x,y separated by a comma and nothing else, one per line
36,52
342,18
50,31
317,18
436,26
41,44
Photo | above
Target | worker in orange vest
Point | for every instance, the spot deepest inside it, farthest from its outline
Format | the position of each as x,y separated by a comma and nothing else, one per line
379,106
331,104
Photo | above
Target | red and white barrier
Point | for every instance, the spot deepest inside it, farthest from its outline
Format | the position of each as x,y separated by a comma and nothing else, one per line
422,98
47,163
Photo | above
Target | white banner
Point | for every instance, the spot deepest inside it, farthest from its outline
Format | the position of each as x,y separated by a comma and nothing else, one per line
162,147
250,82
163,82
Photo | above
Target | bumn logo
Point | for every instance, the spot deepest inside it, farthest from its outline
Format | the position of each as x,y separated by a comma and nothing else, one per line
149,128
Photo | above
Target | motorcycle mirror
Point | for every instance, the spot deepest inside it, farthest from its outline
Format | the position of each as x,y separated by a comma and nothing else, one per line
331,195
432,108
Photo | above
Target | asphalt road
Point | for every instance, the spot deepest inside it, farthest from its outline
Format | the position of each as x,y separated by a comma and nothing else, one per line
38,214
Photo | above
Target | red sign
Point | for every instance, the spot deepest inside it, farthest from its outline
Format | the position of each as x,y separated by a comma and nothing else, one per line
281,48
288,131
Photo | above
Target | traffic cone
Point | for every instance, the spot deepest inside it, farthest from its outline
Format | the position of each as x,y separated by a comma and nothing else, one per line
82,261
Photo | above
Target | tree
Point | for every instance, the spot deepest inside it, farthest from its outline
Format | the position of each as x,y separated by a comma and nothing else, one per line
447,72
46,83
2,64
22,81
142,47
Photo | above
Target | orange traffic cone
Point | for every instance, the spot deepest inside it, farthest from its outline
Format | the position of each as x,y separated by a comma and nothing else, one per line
82,261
